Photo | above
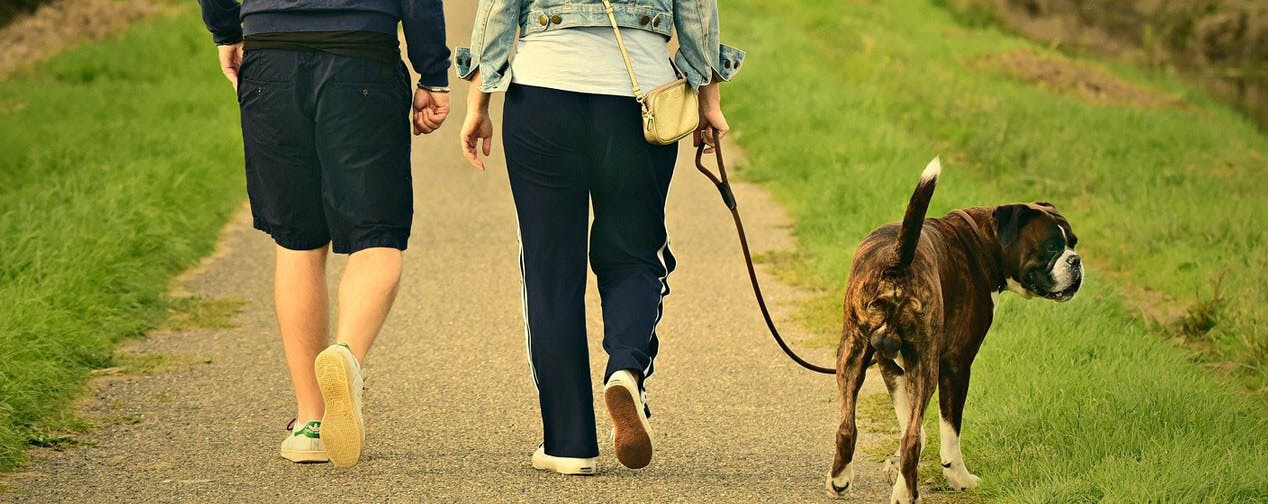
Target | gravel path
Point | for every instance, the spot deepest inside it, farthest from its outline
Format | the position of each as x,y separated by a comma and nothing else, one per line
451,411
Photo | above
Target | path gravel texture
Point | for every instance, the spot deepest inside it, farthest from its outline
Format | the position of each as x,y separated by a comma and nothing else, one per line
450,407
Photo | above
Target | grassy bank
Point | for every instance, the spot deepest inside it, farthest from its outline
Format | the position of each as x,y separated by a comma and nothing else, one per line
841,104
121,162
1220,45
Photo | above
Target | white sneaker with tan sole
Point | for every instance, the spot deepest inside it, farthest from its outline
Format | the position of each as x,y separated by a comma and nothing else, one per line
564,465
303,444
341,382
632,434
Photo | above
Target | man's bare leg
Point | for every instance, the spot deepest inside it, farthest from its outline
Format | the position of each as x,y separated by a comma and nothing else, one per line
366,293
299,295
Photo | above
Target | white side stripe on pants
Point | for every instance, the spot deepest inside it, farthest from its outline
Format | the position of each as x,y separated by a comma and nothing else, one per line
528,329
660,304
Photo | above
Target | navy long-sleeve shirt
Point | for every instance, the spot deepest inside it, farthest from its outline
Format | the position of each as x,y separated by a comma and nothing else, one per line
423,22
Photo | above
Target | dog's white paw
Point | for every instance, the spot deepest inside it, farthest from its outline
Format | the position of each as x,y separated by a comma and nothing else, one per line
959,479
900,495
838,485
891,468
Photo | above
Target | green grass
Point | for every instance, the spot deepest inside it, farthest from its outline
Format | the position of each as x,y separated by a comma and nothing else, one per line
121,162
839,107
194,312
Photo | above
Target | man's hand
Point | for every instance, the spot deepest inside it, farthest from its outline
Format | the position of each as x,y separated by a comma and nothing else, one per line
430,111
711,118
230,61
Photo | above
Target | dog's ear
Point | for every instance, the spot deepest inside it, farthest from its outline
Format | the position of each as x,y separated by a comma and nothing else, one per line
1008,222
1046,204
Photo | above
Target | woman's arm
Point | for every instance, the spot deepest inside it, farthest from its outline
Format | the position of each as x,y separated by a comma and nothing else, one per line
711,119
701,55
492,37
705,61
478,125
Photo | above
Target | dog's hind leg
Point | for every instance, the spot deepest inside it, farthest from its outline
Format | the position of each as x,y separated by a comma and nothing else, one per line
851,369
919,381
953,388
896,384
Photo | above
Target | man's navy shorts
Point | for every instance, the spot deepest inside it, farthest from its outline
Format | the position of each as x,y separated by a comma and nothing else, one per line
326,139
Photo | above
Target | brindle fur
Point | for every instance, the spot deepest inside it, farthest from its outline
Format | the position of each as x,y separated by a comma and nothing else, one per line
937,311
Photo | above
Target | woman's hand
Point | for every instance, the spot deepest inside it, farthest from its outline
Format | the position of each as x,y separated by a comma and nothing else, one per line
711,118
477,125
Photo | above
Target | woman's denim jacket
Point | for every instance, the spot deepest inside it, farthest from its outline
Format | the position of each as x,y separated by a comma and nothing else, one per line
700,55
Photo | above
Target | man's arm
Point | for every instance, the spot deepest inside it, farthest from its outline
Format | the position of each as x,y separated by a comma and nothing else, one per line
223,19
424,25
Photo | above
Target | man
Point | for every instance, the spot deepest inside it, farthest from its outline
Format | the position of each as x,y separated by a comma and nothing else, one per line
324,99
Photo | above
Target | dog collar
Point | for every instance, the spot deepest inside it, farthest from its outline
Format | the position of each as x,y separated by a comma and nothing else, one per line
1001,284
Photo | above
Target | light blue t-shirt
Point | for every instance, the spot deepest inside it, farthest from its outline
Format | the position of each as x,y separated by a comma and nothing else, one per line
587,60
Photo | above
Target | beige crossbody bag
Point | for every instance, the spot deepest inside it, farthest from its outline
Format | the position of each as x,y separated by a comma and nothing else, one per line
671,111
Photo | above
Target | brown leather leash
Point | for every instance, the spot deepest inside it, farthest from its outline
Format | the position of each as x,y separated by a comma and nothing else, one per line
728,197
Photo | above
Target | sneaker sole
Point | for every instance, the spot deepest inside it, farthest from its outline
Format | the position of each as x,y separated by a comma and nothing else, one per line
567,470
633,440
306,457
341,430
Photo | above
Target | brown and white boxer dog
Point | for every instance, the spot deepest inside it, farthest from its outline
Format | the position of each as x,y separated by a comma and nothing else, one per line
920,298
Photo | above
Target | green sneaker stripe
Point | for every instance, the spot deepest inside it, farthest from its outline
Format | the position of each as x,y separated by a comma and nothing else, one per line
311,430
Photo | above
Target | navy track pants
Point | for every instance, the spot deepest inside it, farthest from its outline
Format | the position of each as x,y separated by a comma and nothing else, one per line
567,152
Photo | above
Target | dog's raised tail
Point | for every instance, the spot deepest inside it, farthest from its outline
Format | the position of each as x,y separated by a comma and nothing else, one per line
914,219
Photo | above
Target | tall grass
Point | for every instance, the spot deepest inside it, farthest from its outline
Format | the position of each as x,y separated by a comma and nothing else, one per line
121,161
839,106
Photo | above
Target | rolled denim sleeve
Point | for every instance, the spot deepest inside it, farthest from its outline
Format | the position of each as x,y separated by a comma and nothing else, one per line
492,36
423,22
223,19
700,53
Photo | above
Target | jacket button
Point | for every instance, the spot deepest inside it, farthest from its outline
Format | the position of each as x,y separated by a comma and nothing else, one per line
644,20
556,19
543,20
726,64
656,22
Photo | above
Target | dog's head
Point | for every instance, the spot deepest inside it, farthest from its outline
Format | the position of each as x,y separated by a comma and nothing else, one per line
1037,245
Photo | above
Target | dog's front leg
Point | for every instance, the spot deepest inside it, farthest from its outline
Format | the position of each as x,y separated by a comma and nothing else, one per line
953,388
851,369
920,382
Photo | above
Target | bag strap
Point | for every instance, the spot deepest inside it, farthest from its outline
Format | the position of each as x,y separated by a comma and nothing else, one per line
629,67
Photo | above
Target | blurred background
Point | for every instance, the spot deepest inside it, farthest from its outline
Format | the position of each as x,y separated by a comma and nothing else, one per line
1220,45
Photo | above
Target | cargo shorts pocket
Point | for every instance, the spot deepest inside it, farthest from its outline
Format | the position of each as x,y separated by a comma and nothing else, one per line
350,114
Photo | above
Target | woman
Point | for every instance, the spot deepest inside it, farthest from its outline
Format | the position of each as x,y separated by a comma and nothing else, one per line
573,138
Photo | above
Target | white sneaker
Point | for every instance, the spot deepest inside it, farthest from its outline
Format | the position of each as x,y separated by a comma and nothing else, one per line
303,445
632,434
341,382
564,465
